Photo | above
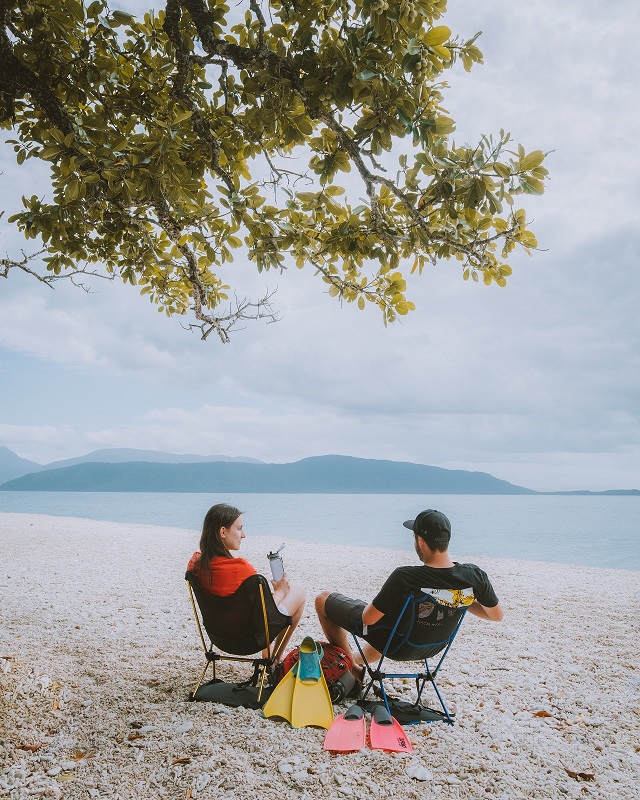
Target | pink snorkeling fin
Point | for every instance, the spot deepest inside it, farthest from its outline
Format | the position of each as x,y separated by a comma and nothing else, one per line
348,732
386,733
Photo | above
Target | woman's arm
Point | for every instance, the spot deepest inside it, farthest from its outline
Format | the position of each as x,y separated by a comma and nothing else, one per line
281,589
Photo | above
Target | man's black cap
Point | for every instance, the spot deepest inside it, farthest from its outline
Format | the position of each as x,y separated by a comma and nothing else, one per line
430,523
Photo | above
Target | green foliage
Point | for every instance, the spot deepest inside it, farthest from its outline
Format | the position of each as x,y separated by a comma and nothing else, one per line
182,140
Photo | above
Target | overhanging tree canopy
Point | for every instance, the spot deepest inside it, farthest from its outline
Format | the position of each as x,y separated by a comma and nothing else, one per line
198,135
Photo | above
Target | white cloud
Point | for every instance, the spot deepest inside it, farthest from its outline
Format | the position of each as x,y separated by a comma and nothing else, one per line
536,383
37,442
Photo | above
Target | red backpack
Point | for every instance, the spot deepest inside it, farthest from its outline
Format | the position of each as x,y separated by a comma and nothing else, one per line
336,668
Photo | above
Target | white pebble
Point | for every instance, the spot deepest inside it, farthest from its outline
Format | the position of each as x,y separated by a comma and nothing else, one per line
202,780
218,708
419,773
184,727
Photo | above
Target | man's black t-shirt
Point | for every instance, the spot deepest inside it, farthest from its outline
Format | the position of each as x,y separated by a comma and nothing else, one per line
405,580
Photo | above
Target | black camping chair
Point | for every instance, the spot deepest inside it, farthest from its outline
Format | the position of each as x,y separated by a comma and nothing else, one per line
425,627
241,624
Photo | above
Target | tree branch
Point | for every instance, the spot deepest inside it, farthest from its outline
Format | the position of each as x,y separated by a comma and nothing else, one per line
18,80
245,310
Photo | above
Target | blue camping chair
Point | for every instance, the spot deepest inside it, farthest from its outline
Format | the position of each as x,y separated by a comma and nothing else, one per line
425,628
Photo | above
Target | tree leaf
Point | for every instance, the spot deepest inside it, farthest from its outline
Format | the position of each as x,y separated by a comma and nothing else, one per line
173,149
529,162
438,35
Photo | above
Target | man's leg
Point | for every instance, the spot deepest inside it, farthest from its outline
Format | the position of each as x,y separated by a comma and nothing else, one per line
370,653
337,635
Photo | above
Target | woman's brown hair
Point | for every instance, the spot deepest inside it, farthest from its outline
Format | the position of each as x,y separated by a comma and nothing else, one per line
211,543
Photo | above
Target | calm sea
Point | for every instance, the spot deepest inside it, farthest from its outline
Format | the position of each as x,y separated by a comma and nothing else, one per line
593,531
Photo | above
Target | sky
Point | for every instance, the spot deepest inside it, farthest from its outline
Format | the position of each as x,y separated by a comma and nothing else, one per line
536,383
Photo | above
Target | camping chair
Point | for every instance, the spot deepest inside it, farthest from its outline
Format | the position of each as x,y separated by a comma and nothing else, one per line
240,624
425,628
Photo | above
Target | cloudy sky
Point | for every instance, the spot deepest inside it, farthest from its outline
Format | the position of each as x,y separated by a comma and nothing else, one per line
537,383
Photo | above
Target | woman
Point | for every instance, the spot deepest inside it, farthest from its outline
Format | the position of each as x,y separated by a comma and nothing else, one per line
220,573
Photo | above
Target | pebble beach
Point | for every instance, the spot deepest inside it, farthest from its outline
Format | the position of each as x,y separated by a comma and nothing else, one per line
99,650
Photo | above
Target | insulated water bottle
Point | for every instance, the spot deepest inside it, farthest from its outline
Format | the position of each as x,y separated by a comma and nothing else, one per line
275,562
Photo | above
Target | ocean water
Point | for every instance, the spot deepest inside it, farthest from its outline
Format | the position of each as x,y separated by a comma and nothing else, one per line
595,531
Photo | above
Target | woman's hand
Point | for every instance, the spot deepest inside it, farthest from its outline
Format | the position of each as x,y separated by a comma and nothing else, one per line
281,588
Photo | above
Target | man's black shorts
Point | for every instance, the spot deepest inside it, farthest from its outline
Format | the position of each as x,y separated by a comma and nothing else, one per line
345,612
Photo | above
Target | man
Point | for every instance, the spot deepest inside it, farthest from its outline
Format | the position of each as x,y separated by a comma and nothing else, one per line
340,615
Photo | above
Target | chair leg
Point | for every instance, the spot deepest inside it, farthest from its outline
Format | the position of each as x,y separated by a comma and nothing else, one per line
369,686
384,696
442,703
431,678
421,682
263,677
367,689
279,642
368,673
374,678
202,674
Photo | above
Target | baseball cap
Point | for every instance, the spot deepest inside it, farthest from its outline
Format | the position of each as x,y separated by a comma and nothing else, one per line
431,523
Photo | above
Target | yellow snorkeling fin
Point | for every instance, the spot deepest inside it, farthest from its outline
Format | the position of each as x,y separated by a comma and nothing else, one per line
280,701
311,702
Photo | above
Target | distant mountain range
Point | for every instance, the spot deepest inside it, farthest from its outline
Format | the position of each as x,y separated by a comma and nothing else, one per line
12,466
219,474
330,474
120,455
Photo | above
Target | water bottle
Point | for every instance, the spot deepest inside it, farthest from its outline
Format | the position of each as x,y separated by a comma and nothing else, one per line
275,562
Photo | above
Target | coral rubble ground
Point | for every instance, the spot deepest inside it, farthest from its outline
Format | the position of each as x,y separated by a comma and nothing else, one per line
98,651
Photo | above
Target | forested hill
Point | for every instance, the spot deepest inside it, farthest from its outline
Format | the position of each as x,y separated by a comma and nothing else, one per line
323,474
12,466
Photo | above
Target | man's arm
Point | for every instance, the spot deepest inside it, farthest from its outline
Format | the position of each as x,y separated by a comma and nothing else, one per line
493,613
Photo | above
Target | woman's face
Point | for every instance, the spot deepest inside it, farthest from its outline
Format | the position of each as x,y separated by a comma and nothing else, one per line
233,535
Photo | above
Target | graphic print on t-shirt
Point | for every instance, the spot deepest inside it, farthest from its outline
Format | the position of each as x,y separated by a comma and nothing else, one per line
454,598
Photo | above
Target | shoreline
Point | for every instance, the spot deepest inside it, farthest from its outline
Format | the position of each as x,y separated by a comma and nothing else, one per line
98,652
269,543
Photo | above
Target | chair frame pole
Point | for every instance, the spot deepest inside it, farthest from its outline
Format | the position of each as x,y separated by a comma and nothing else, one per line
373,673
204,644
377,676
272,656
262,666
